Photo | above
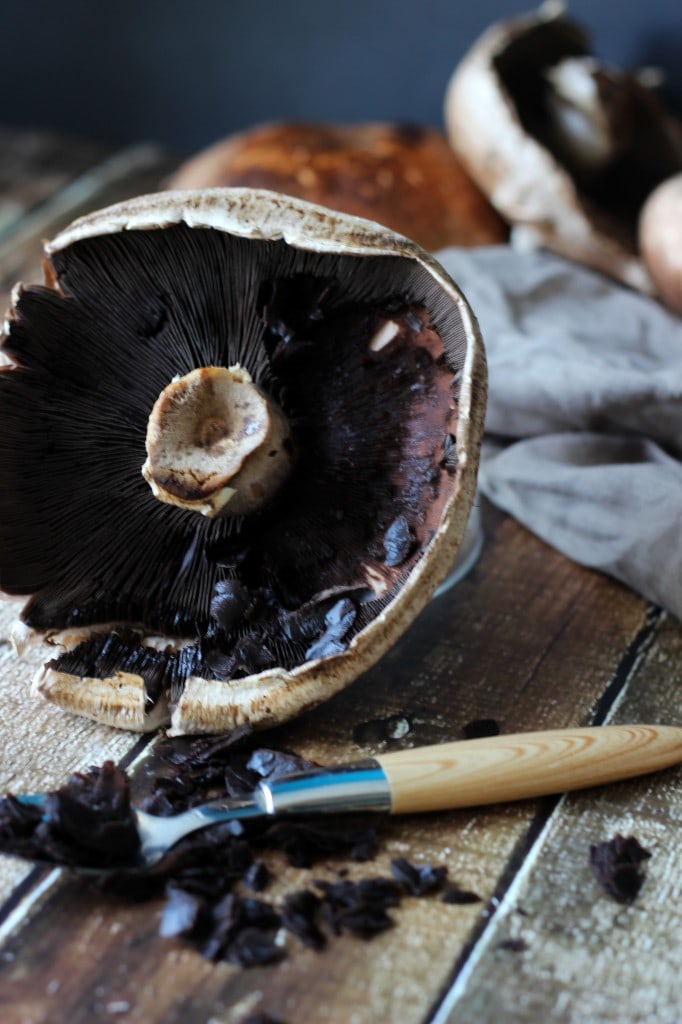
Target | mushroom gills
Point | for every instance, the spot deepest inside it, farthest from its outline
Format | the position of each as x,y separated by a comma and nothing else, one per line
565,146
363,358
604,125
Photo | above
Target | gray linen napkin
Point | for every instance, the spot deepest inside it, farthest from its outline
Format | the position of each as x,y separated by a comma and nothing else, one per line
584,415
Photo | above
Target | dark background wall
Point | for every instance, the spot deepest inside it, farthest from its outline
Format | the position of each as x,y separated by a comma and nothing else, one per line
185,73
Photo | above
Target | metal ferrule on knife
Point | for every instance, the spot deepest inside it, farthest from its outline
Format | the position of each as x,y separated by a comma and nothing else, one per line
360,786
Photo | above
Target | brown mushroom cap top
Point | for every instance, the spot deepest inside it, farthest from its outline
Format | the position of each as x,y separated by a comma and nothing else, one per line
404,176
373,357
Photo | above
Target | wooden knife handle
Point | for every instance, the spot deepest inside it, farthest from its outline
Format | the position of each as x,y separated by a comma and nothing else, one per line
499,768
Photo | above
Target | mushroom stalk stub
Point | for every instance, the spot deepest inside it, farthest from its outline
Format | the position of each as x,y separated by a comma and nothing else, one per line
311,383
216,443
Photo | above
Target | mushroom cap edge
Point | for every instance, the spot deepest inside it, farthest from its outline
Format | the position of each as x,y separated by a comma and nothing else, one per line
275,695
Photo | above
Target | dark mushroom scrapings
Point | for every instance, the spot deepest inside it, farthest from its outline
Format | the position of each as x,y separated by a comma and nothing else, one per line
617,866
86,822
215,883
233,467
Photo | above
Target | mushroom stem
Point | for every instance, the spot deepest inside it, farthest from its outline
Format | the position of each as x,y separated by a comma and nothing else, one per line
216,444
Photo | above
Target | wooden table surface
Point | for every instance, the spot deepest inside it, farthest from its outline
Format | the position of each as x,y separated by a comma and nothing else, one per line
528,639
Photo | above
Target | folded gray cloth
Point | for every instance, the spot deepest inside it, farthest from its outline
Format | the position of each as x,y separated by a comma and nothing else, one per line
585,410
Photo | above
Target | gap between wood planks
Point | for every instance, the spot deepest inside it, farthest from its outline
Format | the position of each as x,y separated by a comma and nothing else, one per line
40,881
33,888
529,847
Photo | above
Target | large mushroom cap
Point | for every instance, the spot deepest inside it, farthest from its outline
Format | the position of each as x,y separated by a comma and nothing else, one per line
565,147
239,441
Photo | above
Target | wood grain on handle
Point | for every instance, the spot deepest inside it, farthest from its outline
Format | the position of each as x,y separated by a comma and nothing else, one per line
499,768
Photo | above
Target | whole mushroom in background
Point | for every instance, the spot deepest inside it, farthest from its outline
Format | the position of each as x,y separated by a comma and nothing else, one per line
405,176
239,441
566,148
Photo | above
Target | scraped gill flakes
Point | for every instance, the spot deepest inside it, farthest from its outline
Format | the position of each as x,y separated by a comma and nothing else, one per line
210,878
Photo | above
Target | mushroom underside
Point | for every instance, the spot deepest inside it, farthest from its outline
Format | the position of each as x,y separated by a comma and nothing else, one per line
363,356
571,146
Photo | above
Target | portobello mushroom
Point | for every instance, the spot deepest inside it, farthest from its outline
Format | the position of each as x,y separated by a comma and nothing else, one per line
566,147
239,439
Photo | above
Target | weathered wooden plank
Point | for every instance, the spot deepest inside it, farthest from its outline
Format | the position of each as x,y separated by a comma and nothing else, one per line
528,639
555,631
40,742
124,174
589,958
558,657
34,165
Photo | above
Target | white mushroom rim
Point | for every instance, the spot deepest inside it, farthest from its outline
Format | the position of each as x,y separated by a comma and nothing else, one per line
363,374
